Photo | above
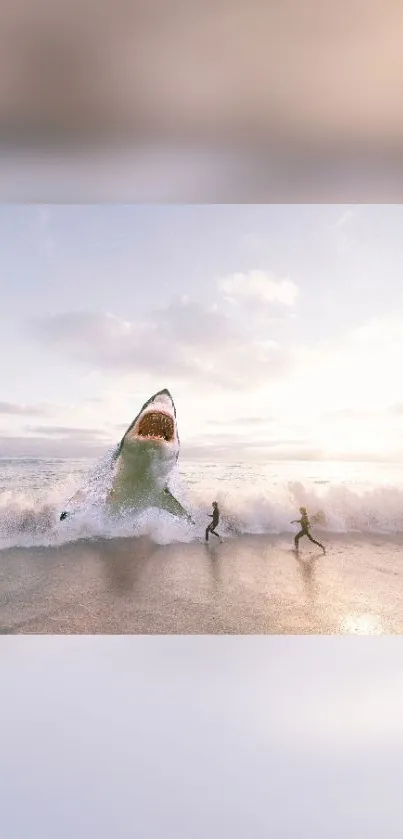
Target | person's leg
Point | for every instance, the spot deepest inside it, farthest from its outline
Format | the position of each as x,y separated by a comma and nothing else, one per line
319,544
208,530
297,538
215,534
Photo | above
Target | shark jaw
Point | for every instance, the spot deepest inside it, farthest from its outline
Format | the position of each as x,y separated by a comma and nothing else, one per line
144,459
147,454
156,425
154,428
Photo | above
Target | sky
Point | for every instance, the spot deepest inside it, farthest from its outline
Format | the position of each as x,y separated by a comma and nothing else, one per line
178,737
277,328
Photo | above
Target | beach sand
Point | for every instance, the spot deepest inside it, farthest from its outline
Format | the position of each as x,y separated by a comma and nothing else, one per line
247,585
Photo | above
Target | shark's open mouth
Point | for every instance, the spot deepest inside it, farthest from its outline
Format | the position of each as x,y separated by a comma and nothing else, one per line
156,424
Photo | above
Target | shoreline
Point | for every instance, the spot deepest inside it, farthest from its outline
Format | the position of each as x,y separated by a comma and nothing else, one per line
247,585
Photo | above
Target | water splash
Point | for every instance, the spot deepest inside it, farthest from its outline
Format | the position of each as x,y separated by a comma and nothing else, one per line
32,495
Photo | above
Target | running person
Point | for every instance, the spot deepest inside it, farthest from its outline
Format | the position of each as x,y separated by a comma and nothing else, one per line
305,529
215,515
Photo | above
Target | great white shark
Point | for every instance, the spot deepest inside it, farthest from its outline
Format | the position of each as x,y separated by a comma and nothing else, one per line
144,459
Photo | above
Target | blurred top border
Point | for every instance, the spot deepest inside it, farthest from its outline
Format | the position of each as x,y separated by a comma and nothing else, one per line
167,100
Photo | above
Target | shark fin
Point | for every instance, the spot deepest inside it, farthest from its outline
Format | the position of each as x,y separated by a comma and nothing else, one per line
170,503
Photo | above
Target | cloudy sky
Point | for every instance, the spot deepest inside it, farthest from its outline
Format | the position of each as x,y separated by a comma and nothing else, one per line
278,328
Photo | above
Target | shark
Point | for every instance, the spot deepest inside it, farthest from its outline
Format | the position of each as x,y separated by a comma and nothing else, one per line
143,461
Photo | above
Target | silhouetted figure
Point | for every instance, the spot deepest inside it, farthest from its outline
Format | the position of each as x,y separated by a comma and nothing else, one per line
305,529
215,515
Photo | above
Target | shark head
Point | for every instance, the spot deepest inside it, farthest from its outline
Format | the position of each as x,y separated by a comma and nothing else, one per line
154,430
145,457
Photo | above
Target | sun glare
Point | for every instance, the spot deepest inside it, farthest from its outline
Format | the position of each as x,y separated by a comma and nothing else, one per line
361,625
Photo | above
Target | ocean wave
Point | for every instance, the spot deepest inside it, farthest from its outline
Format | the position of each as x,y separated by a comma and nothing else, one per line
30,518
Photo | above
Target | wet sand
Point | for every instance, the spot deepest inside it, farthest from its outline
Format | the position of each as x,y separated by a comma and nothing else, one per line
248,585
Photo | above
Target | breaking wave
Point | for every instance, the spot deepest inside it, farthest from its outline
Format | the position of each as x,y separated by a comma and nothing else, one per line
29,516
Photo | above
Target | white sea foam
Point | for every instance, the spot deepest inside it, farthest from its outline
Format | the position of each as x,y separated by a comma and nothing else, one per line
255,499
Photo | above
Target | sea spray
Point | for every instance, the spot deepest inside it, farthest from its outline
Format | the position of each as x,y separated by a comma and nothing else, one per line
253,499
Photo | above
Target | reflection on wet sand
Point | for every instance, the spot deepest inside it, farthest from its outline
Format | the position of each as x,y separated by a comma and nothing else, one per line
125,564
307,568
214,562
366,624
246,585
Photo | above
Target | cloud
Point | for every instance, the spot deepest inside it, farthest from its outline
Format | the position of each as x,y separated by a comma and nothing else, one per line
184,340
348,415
345,387
260,288
280,450
40,447
193,324
107,342
236,421
22,410
68,433
211,450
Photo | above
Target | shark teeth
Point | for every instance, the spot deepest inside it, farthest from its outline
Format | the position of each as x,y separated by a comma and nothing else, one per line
156,424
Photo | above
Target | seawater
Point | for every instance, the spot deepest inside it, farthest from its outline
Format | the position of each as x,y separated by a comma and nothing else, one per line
254,498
